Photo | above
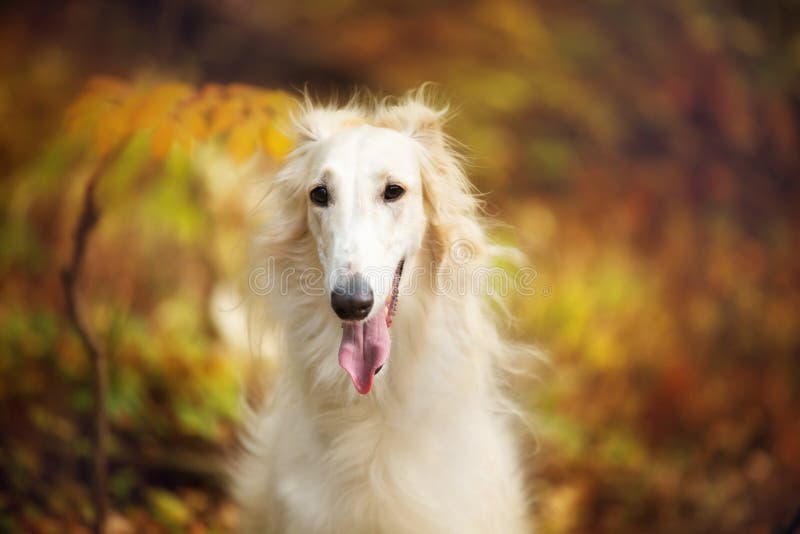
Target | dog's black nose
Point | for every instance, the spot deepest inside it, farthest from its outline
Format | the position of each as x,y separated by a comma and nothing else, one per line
351,298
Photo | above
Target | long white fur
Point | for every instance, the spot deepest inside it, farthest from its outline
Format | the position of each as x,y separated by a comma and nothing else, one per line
431,449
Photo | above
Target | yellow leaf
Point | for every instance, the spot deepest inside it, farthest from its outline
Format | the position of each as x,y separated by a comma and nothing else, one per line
193,120
259,117
276,143
163,137
183,137
226,115
157,104
96,102
110,110
243,141
111,130
126,110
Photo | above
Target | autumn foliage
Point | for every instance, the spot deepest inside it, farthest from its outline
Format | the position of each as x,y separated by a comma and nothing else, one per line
644,155
244,118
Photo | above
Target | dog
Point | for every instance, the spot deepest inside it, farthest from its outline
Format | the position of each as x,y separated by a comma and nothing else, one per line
389,414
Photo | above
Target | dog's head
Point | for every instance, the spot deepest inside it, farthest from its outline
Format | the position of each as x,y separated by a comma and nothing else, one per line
376,186
365,212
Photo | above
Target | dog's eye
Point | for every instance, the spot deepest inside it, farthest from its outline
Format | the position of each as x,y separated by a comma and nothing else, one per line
319,196
393,192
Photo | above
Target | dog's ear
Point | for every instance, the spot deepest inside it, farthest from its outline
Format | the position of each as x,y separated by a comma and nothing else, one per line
449,204
315,122
417,119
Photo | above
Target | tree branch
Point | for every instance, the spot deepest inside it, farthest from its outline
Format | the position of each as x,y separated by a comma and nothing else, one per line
69,279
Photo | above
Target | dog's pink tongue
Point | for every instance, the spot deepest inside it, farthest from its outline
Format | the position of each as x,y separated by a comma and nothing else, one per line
364,348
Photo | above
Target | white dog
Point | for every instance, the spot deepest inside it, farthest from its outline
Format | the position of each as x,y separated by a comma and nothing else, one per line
372,231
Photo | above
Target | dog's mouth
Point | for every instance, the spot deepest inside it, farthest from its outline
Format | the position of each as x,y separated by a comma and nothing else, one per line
365,345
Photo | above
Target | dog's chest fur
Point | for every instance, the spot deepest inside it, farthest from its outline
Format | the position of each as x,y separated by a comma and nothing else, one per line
423,473
435,460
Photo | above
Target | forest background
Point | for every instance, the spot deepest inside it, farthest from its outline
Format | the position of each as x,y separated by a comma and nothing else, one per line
643,154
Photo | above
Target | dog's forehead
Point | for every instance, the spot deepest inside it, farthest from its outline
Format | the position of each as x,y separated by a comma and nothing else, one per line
370,149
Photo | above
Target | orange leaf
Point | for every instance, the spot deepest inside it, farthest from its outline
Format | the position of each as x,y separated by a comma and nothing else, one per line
157,104
226,115
193,120
111,130
243,141
163,137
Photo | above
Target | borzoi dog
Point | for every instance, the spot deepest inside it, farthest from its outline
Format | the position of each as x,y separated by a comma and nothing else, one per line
388,416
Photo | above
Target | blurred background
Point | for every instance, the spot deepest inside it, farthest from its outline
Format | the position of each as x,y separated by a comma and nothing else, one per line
644,155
